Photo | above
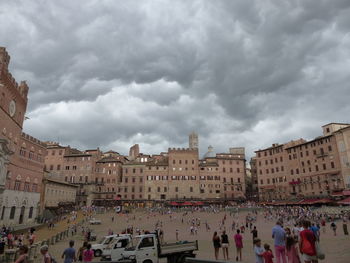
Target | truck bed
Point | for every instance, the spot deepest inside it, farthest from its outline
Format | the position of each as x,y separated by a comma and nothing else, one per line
174,248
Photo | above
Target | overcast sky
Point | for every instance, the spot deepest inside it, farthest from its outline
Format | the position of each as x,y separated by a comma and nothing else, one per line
239,73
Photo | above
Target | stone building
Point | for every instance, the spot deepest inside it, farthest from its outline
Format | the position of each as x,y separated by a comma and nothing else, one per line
300,169
25,155
75,167
108,177
57,194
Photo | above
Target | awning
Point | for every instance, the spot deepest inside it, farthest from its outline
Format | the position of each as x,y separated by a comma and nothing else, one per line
198,203
315,201
186,203
173,203
346,201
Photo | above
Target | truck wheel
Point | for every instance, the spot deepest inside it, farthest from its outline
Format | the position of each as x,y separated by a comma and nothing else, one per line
97,253
148,261
182,258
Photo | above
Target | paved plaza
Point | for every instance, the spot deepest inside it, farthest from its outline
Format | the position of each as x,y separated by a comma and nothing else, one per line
336,248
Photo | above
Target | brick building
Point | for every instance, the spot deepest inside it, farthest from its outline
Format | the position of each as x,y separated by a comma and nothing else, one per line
299,169
21,178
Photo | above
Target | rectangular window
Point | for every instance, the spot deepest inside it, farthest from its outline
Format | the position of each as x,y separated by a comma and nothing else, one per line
67,167
17,185
26,187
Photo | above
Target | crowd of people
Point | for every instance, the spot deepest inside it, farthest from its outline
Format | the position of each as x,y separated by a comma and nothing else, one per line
11,240
295,238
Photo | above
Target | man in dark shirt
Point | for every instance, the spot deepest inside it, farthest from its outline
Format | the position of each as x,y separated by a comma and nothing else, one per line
255,233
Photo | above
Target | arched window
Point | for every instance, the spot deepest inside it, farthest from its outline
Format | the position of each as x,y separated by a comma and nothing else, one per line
12,212
30,212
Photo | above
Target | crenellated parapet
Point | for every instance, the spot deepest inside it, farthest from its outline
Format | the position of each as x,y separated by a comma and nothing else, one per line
7,80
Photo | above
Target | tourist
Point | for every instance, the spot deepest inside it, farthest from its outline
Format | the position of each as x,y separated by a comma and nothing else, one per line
23,255
88,254
267,255
291,250
279,236
315,230
44,250
307,244
224,244
345,226
334,228
2,245
258,251
81,251
323,224
69,253
255,233
217,245
239,245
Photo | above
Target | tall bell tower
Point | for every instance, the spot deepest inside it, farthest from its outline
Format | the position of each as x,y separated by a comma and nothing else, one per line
193,140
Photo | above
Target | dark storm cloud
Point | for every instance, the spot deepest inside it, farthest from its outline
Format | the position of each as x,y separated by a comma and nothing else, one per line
238,72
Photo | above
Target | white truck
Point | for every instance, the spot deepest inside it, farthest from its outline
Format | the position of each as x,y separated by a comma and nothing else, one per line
147,249
103,247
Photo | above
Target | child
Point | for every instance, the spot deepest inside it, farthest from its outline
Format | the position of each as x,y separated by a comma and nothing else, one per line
268,255
292,252
258,251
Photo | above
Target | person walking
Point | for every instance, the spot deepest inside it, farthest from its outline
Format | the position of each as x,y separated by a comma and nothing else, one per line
279,236
81,251
345,225
334,228
23,255
69,253
217,245
254,233
307,244
44,250
88,254
291,251
224,244
267,255
239,245
258,251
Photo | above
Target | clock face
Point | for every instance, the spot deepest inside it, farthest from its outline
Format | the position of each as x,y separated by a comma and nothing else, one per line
12,108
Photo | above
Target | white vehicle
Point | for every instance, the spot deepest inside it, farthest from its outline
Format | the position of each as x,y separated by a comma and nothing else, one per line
95,221
102,247
147,249
116,247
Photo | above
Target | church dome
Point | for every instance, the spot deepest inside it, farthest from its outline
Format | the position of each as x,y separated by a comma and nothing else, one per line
210,153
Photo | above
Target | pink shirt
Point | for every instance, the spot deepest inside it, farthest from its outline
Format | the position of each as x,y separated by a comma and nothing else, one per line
88,255
238,240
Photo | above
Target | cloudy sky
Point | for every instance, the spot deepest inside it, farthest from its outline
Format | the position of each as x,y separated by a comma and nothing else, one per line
240,73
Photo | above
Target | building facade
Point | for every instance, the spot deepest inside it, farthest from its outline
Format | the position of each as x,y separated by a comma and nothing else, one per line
300,169
56,194
25,168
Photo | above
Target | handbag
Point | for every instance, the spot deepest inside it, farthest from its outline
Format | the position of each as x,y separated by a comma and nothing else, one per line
319,253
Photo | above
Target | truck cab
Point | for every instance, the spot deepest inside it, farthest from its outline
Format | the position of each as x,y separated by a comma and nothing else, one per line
106,242
116,248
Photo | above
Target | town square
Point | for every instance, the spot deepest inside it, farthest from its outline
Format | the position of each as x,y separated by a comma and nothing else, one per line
174,131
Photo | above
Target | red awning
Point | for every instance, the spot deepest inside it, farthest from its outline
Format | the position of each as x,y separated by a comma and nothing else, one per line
174,203
315,201
198,203
186,203
346,192
346,201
